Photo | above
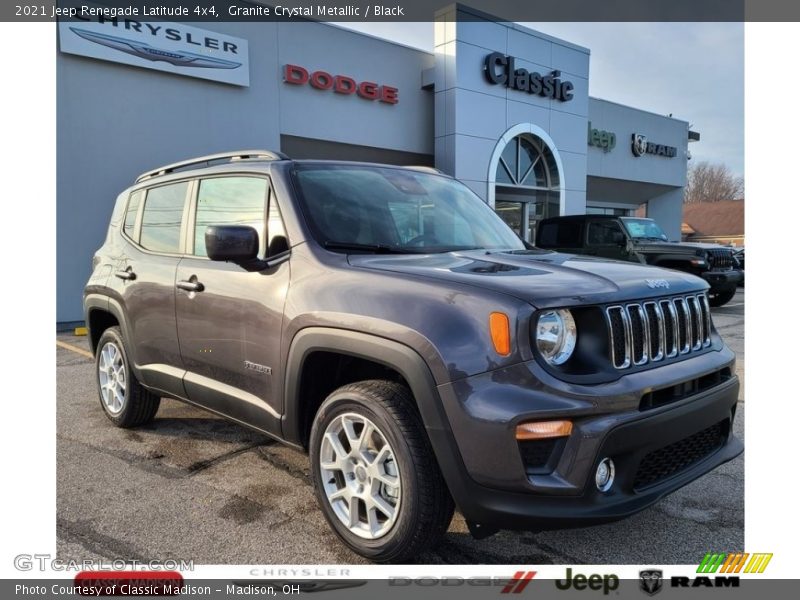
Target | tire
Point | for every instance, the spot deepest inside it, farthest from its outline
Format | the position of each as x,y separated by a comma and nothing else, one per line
419,496
124,400
720,298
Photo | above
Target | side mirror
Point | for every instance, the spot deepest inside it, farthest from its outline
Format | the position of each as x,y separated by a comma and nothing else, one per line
619,238
234,243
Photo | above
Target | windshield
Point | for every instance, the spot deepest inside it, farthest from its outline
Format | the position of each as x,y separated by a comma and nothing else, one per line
384,209
645,229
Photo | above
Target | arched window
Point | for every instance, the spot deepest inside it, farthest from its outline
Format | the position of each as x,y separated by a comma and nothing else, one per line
527,161
527,184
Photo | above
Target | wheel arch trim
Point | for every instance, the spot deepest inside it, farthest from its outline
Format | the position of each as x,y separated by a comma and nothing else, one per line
399,357
99,302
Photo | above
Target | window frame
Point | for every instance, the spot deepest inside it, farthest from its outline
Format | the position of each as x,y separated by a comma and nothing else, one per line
591,222
137,228
268,199
579,239
137,222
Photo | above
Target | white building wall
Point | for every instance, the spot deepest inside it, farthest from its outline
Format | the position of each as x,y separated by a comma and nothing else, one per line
472,115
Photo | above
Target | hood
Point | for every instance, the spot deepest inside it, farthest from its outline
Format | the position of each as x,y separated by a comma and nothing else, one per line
682,247
544,279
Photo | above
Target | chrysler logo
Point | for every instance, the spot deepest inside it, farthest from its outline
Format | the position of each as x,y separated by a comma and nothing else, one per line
657,283
179,58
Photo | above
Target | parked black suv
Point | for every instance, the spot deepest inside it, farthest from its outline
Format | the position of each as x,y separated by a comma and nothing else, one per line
642,240
387,321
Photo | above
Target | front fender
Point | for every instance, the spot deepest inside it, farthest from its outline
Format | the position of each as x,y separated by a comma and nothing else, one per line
404,360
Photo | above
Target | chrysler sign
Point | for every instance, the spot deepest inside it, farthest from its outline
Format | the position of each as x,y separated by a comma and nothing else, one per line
171,47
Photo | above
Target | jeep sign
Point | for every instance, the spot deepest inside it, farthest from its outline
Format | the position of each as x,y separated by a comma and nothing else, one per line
605,140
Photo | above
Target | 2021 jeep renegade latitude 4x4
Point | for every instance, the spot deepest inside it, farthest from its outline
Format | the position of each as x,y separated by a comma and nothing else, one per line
388,322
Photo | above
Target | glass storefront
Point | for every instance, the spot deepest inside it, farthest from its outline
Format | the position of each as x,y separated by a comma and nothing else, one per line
604,210
526,185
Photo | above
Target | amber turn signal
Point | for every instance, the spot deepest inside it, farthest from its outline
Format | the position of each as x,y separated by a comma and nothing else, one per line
543,430
501,334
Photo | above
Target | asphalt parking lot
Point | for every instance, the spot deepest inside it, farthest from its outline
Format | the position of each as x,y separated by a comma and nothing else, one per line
193,486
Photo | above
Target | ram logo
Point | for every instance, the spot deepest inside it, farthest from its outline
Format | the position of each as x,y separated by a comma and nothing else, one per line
639,144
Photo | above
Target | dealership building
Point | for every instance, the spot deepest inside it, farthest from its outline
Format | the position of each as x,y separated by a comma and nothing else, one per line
502,107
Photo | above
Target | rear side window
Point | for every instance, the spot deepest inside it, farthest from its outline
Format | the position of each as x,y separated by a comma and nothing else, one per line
132,213
565,234
546,235
230,201
161,220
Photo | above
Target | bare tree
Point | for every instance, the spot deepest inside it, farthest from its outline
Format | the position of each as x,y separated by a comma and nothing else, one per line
712,182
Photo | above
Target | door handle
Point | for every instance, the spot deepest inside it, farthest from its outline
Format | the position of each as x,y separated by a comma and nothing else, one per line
190,286
128,275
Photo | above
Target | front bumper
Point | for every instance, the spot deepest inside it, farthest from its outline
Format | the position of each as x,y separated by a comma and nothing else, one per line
495,489
723,280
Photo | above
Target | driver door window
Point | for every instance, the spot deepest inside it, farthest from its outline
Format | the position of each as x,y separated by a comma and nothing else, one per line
603,233
230,201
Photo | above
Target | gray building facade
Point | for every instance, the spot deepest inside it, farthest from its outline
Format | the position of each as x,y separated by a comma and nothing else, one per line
502,107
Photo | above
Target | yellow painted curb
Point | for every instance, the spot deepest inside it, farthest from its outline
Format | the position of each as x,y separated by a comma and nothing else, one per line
81,331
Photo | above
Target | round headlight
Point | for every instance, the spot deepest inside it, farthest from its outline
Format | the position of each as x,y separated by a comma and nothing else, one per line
556,336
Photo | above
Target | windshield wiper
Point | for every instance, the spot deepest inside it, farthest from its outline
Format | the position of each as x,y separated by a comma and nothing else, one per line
375,248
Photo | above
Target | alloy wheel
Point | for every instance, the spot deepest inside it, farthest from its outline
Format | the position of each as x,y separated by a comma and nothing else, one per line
360,476
113,378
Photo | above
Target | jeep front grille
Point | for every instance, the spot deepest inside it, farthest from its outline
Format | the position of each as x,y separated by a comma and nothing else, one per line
720,259
650,331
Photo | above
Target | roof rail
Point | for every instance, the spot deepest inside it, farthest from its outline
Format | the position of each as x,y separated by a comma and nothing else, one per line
207,160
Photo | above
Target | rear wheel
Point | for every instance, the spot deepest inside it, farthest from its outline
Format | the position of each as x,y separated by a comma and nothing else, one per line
720,298
124,400
374,472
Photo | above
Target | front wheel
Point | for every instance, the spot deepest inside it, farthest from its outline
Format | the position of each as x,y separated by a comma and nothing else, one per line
374,472
720,298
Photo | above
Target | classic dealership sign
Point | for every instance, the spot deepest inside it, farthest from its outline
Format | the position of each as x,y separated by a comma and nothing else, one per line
171,47
640,146
340,84
501,70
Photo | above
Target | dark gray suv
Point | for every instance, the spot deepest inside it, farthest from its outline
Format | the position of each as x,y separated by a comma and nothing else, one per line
385,320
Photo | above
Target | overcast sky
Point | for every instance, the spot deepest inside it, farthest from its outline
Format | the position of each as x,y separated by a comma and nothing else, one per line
695,71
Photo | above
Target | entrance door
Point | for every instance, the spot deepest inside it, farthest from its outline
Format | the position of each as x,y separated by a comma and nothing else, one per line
523,208
527,185
513,213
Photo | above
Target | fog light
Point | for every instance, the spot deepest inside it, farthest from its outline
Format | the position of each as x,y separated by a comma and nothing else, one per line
604,477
